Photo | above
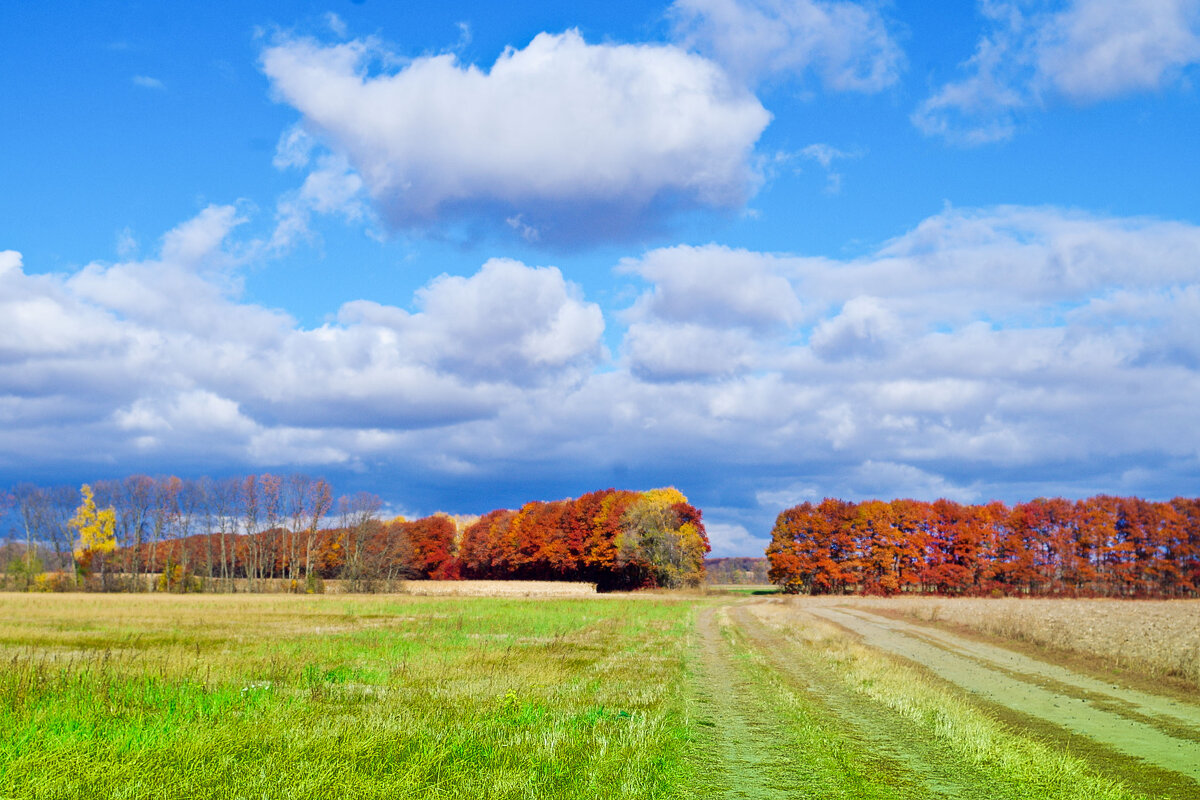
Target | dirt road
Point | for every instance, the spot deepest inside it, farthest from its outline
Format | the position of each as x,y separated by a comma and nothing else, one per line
1160,731
786,721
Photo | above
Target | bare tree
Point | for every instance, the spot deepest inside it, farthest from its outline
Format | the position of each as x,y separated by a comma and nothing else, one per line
220,515
271,494
132,498
318,502
358,515
43,514
251,519
164,501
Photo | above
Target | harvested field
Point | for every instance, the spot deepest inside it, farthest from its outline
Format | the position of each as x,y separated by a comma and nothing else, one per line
498,589
1155,637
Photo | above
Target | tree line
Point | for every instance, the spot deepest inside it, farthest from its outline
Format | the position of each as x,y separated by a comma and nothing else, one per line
1101,546
261,531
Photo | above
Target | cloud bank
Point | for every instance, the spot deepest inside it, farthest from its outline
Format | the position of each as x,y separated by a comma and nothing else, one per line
981,352
579,141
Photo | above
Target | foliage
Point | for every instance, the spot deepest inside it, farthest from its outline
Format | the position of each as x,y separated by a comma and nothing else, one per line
96,529
1109,546
617,539
266,532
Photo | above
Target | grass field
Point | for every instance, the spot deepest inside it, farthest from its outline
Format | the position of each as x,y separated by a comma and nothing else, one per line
401,696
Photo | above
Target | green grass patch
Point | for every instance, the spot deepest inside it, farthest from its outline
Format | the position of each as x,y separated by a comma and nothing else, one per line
274,697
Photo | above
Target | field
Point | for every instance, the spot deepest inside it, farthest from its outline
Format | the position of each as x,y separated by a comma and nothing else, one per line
634,696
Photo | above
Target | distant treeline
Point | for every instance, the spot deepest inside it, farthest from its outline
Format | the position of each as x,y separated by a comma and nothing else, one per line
737,570
1101,546
259,530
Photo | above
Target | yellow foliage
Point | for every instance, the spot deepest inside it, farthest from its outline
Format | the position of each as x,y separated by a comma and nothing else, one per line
664,497
96,529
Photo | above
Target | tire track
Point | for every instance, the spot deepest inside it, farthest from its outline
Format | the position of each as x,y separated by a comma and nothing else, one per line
740,730
915,765
1099,713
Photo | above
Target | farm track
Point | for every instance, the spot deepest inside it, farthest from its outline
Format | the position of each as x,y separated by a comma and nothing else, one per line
1160,731
859,750
1149,742
741,728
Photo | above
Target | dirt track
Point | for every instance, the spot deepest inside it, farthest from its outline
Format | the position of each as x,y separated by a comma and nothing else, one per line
1160,731
1148,742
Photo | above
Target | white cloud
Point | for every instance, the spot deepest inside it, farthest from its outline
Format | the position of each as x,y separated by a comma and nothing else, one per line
1082,51
336,24
146,82
714,285
1096,49
331,188
508,322
294,148
847,44
579,140
10,261
160,356
731,539
865,328
657,351
825,155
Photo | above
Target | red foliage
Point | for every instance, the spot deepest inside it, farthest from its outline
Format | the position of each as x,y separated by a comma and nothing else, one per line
1108,546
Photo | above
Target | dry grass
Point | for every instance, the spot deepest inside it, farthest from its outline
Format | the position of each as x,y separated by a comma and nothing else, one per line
499,589
1151,637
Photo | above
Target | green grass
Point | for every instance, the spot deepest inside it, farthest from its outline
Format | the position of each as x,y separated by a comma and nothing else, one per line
875,728
362,697
279,696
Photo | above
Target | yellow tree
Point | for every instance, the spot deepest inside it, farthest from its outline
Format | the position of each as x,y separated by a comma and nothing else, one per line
96,529
663,536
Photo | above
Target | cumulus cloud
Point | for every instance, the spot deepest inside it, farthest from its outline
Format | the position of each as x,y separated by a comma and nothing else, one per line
577,140
687,351
978,341
848,45
160,355
331,188
712,284
865,328
1082,51
708,313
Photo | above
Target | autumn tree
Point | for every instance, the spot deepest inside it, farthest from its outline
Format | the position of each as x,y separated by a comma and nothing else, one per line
96,530
662,541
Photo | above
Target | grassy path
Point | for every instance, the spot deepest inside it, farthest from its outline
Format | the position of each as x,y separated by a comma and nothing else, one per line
742,731
1162,732
795,707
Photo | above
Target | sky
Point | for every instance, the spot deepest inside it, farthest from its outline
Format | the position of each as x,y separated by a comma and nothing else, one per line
467,255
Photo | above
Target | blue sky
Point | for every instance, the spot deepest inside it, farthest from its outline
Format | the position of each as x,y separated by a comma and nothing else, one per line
470,255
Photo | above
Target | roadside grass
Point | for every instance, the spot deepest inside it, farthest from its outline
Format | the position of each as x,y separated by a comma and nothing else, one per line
271,697
1001,762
